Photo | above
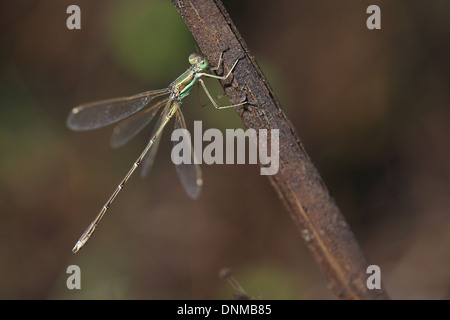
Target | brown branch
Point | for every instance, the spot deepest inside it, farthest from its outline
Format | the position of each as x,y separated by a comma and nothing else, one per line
297,182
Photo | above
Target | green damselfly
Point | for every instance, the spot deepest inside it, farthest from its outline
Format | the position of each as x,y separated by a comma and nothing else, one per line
98,114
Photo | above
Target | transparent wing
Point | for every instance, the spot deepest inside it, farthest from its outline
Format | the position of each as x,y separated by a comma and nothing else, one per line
190,174
101,113
149,158
131,126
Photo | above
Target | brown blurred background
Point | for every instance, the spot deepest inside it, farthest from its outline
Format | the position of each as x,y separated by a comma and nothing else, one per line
371,107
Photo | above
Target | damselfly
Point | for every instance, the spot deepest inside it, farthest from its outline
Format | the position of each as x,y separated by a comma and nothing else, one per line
98,114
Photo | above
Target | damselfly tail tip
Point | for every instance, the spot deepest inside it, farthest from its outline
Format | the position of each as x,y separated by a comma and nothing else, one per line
77,246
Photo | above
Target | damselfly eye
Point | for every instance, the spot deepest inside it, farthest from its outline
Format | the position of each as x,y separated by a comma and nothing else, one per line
193,58
204,64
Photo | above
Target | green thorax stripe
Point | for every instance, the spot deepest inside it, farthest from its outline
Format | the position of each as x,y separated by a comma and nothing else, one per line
185,82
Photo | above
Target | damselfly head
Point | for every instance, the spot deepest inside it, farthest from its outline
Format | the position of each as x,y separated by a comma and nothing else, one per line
198,60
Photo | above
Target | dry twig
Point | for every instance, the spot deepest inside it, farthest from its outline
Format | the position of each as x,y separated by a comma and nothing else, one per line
297,182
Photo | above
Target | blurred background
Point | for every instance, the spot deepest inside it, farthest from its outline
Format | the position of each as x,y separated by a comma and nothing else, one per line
371,107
